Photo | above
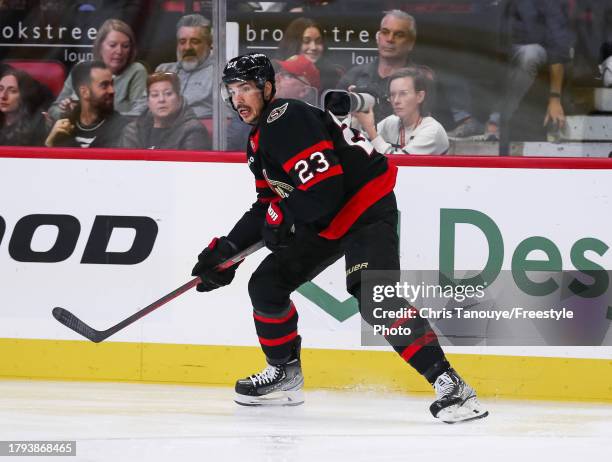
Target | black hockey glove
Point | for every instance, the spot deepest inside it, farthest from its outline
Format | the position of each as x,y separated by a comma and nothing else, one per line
279,229
219,250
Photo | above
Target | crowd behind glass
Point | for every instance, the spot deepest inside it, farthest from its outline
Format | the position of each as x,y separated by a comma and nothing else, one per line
115,100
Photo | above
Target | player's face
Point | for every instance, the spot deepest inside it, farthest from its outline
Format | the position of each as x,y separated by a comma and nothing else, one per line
312,44
10,96
393,38
248,100
404,99
163,101
115,51
192,47
101,90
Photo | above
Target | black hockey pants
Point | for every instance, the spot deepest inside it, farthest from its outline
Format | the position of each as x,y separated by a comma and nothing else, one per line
371,243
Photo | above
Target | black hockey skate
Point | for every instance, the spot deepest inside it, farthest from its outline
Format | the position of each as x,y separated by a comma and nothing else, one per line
276,385
455,400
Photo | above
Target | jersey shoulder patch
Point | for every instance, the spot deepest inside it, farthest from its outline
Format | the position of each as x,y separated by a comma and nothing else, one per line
277,113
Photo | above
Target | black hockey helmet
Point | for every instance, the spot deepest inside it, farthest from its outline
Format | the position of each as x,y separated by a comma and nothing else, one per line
253,66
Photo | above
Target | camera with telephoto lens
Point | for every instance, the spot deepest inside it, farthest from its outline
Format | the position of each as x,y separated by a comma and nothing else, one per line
342,102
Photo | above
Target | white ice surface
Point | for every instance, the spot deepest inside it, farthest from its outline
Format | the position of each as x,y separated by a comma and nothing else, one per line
143,422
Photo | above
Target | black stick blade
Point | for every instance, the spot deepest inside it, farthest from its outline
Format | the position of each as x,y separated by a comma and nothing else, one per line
72,322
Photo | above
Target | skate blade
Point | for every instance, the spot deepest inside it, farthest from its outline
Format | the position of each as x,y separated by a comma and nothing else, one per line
278,398
470,410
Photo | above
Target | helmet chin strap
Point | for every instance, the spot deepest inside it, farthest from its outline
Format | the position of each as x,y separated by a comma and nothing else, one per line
266,101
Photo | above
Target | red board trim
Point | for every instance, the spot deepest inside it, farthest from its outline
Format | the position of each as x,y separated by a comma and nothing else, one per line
581,163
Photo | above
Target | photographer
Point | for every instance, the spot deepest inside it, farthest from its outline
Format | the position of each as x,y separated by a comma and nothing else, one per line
410,130
396,40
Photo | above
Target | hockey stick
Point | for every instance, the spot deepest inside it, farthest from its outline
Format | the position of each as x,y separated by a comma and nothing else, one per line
72,322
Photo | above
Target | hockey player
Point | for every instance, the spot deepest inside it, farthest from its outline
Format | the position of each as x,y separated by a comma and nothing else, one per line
322,192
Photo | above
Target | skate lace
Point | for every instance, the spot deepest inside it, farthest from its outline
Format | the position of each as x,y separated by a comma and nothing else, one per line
444,385
268,375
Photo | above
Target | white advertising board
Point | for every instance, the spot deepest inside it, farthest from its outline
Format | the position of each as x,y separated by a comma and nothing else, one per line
188,203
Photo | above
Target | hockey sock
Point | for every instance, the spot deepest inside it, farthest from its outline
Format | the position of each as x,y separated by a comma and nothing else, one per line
277,331
411,336
420,348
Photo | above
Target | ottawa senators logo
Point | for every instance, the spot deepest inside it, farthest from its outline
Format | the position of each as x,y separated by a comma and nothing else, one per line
277,113
281,189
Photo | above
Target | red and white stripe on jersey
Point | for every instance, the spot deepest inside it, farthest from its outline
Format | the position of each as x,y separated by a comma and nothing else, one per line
318,147
368,195
312,166
317,178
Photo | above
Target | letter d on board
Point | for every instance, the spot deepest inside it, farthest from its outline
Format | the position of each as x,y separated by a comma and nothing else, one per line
95,250
449,218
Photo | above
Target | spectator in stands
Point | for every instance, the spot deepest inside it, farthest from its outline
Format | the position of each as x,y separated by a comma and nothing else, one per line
539,35
194,63
115,45
395,40
94,122
304,36
170,123
410,130
21,120
297,77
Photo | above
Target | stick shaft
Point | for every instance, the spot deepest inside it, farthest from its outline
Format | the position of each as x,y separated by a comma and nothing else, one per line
182,289
152,307
74,323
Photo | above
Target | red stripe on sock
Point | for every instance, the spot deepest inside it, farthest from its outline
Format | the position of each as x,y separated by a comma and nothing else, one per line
419,343
278,341
285,318
412,312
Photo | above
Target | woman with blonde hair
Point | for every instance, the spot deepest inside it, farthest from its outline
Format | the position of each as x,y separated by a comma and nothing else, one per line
115,45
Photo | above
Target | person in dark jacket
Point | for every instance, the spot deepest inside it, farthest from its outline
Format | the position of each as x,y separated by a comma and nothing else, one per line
21,121
93,123
539,34
169,123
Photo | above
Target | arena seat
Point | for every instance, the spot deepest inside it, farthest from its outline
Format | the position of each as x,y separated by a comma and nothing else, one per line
181,6
49,72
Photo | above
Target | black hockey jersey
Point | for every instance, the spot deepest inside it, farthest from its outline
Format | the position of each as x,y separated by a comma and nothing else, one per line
327,173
